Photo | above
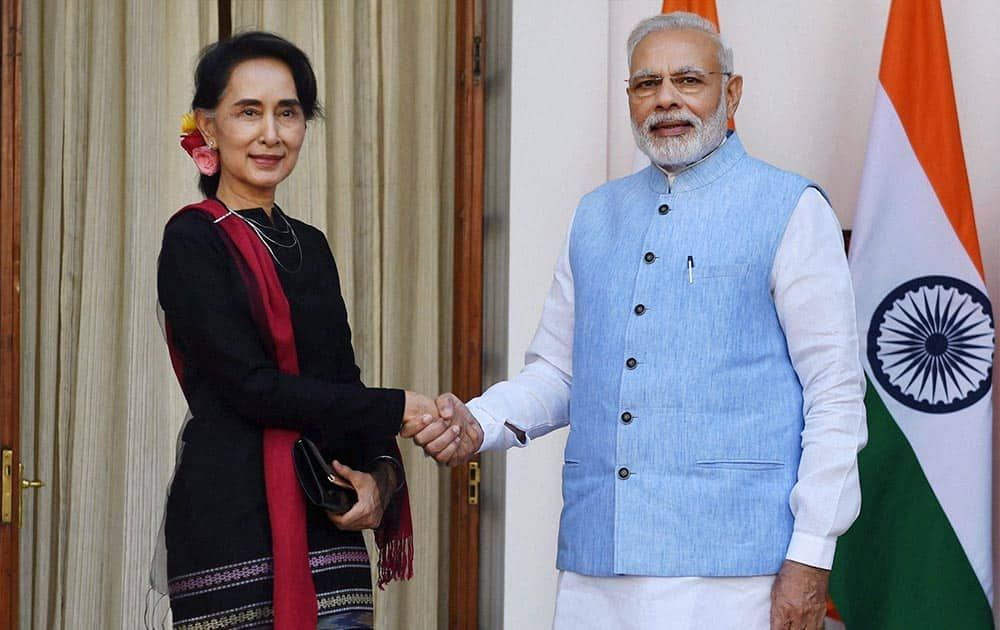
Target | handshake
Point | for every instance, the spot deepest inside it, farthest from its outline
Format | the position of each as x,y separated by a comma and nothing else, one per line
444,428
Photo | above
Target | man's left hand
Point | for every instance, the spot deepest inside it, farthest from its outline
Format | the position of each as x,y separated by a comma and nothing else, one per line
798,597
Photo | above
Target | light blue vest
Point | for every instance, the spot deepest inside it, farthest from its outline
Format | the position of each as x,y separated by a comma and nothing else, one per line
686,414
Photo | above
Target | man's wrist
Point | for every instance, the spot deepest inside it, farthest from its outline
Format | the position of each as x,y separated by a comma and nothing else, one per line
801,566
521,436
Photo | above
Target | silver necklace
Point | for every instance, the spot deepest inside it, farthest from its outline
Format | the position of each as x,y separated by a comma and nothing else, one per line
271,228
267,241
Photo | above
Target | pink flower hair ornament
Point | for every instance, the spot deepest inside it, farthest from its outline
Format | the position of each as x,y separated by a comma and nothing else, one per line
205,157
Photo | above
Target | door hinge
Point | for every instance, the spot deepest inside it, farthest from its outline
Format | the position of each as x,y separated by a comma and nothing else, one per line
477,61
473,483
477,41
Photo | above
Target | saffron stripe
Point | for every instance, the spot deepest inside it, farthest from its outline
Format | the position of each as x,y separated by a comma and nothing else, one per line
916,74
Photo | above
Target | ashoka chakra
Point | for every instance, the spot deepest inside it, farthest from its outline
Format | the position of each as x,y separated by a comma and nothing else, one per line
930,344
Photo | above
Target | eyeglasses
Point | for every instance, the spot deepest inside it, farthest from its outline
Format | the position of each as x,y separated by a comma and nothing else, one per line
645,85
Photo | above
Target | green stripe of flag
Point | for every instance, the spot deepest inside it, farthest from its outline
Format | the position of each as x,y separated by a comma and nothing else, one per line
900,566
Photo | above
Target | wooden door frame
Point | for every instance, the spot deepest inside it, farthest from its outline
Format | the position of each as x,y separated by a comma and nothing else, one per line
467,338
10,278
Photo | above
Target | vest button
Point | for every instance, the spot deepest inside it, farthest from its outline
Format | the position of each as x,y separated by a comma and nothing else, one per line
649,257
623,473
626,418
639,309
630,363
663,209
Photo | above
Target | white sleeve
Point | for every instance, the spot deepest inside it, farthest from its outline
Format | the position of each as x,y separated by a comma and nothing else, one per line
811,285
536,400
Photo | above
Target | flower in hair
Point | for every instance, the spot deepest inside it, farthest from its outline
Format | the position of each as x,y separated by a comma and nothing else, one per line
188,124
205,157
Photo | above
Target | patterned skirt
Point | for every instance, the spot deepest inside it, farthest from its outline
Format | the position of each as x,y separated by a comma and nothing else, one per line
239,595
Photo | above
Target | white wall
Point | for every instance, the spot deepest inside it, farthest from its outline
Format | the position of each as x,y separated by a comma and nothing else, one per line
557,153
809,79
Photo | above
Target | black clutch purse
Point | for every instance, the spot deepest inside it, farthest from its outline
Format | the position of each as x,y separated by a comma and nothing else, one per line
316,478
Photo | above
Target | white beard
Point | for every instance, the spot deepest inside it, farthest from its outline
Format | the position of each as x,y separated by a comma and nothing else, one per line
677,151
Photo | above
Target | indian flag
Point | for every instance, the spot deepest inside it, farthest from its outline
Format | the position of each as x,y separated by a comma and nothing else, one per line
919,554
704,8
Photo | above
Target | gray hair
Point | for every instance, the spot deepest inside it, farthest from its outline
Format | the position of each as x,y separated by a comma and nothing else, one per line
679,20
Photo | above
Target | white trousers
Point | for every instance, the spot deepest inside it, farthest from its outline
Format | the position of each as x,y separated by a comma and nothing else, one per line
662,603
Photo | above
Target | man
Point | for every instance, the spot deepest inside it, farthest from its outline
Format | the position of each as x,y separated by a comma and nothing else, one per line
699,339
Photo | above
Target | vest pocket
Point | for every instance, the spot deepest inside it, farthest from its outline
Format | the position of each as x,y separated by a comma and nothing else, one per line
737,270
741,464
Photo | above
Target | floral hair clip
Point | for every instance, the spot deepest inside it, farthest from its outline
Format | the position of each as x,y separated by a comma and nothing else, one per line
205,157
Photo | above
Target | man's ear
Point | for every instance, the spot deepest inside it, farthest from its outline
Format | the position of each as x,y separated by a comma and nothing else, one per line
734,92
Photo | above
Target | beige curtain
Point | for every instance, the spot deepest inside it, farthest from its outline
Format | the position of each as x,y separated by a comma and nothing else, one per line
105,84
377,176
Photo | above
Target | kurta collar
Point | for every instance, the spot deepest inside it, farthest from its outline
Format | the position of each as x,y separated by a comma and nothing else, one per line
702,173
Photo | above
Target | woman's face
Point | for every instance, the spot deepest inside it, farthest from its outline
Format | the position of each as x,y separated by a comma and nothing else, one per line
258,129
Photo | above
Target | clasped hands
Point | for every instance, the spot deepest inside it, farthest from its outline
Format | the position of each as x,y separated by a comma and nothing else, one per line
444,428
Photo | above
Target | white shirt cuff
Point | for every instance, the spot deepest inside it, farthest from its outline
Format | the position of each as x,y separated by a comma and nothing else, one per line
496,436
816,551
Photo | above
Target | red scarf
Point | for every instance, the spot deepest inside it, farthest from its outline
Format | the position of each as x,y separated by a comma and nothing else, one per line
295,605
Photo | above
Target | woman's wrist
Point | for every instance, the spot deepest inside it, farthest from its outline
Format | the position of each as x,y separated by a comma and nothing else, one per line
386,474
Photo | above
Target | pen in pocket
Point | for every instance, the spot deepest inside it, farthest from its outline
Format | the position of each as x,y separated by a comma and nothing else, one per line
690,269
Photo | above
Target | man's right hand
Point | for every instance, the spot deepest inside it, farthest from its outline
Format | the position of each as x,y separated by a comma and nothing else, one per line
455,438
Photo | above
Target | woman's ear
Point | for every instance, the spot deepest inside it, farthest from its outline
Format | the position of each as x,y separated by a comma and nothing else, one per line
206,125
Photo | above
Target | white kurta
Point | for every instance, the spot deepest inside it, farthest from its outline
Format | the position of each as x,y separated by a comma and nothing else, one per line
677,603
811,286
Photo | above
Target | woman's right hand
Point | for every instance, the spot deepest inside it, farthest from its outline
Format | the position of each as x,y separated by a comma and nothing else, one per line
420,411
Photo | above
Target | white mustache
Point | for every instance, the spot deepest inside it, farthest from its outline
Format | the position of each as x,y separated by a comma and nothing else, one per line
657,118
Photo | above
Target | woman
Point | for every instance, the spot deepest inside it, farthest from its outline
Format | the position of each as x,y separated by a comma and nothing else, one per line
259,338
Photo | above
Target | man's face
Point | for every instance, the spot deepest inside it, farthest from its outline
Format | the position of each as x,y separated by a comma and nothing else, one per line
677,102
